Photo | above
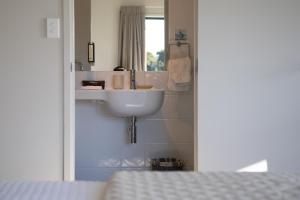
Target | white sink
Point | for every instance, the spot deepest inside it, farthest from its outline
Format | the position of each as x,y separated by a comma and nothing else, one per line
126,103
140,102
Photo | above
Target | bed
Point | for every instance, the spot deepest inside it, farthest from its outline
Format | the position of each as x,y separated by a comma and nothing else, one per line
81,190
161,186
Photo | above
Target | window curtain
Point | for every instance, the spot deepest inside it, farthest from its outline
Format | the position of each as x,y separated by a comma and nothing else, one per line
132,37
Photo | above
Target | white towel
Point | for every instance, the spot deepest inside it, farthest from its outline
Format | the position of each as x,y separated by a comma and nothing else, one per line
180,74
91,87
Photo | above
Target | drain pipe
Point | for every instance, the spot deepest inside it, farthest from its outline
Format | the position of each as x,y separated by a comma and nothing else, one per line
132,130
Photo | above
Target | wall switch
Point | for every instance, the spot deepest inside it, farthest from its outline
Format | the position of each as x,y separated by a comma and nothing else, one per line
53,28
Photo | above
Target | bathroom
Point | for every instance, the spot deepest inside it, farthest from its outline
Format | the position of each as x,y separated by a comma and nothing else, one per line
102,141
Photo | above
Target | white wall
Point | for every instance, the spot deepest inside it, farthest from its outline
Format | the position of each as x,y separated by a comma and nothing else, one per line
31,87
249,78
105,28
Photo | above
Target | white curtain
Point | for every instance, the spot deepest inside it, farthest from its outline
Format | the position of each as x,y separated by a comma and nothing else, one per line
132,37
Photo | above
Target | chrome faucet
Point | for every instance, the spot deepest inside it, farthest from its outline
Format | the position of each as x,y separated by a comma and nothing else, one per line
81,66
132,78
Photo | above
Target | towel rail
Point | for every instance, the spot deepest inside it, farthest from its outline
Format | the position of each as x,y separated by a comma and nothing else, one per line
179,43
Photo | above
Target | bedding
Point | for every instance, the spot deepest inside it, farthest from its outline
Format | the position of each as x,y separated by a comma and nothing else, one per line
51,190
203,186
163,186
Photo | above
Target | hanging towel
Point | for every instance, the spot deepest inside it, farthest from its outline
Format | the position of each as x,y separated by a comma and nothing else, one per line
180,74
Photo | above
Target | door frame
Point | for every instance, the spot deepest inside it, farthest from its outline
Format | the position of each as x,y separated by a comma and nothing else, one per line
196,113
69,91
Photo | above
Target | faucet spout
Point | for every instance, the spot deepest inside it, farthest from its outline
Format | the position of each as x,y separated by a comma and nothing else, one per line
80,65
133,78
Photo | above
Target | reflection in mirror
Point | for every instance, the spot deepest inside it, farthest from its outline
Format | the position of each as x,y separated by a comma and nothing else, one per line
131,46
155,43
100,21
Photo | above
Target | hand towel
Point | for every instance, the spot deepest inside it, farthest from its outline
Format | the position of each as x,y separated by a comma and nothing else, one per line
180,74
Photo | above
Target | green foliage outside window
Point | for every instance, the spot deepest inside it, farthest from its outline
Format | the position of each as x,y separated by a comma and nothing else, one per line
156,62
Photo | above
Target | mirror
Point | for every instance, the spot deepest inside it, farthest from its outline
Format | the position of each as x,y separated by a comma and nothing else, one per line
99,22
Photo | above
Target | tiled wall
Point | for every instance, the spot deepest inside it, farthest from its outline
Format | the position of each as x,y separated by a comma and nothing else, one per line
102,140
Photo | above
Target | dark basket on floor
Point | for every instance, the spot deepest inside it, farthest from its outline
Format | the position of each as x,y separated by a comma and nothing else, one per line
167,164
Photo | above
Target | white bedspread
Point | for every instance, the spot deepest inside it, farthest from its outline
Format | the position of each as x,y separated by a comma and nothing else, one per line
162,186
203,186
51,190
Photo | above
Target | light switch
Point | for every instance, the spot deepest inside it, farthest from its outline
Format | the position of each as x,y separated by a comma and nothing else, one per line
53,28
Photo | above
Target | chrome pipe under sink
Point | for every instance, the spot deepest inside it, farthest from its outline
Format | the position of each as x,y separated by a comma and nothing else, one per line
132,130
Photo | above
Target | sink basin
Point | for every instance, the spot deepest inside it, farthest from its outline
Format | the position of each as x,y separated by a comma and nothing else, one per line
126,103
140,102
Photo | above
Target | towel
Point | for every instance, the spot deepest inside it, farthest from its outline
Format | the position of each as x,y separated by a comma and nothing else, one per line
91,87
180,74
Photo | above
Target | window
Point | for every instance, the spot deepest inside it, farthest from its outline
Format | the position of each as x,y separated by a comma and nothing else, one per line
155,43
